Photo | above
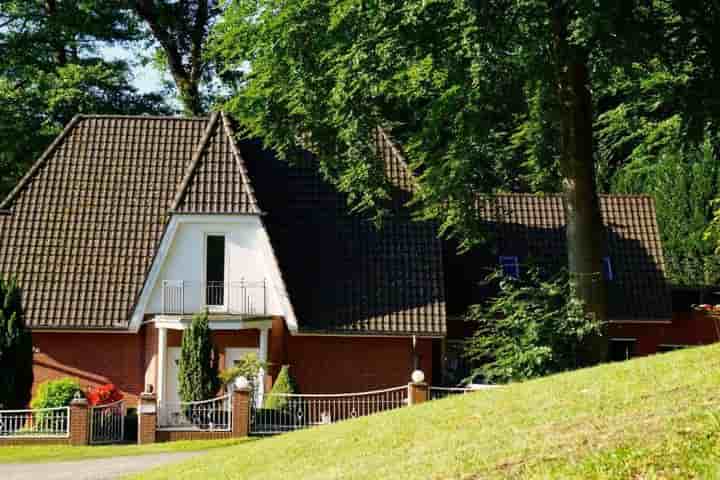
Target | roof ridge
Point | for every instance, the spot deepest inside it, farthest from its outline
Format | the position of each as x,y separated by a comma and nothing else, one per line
227,128
39,163
209,130
203,118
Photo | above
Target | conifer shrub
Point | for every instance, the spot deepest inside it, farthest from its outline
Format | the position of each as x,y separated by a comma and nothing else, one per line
284,384
198,366
16,350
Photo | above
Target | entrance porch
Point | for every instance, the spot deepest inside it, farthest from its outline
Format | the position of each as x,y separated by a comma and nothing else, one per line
233,337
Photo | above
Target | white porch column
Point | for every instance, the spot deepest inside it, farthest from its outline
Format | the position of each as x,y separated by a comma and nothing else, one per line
263,358
162,364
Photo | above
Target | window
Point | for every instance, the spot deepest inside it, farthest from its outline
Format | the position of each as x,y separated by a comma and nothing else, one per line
607,268
215,270
510,266
622,349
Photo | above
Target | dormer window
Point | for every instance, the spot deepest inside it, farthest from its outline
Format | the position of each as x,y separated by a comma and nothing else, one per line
510,266
607,269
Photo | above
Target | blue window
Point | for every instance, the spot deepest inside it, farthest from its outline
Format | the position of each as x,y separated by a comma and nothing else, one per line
607,268
510,266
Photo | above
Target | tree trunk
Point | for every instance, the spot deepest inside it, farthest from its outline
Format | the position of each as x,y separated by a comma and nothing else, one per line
586,236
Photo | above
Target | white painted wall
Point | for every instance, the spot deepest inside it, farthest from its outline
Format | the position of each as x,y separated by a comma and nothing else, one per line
248,256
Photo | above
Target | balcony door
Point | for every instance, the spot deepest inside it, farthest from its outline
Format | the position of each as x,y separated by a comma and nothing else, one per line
215,284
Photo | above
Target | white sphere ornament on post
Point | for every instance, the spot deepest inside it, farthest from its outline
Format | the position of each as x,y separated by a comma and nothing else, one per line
241,383
418,376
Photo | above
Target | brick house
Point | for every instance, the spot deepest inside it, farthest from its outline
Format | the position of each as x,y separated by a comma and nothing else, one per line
646,314
127,226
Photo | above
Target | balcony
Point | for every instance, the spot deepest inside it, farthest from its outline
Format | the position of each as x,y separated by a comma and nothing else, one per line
242,298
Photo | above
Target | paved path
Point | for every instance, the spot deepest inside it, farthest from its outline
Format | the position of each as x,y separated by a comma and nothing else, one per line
95,469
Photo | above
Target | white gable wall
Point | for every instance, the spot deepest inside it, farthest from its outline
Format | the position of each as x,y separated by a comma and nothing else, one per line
248,256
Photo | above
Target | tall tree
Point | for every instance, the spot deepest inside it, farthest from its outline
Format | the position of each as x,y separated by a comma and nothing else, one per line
459,82
181,29
16,350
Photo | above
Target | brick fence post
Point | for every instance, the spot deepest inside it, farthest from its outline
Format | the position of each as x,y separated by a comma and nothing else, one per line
418,390
241,411
79,422
147,418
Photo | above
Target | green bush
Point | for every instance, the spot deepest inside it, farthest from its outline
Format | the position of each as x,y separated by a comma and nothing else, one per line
531,328
283,384
249,367
56,393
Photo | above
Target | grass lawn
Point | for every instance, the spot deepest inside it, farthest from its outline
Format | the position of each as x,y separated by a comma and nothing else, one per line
656,417
58,453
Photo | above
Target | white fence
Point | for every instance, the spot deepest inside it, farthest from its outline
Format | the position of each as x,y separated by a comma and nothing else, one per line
45,422
213,415
296,411
107,423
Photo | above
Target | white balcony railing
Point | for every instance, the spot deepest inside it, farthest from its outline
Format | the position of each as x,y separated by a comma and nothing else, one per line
238,298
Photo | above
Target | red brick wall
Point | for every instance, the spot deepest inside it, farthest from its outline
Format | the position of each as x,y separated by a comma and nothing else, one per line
327,364
320,364
693,328
93,358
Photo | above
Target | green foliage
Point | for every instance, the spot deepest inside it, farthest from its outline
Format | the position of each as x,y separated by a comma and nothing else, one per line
56,393
198,368
468,88
16,350
51,70
284,384
684,182
249,367
533,327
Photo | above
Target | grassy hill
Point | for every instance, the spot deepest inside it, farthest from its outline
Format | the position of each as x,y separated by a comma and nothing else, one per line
656,417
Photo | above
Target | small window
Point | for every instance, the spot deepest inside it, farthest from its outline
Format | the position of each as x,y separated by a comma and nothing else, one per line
607,268
510,266
622,349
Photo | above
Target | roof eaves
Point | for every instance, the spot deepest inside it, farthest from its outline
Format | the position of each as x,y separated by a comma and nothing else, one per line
4,206
195,161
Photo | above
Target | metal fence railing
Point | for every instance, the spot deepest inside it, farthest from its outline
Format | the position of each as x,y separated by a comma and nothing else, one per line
240,298
45,422
288,412
107,423
211,415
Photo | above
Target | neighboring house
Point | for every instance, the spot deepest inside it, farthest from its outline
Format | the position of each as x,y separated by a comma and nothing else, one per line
128,226
527,230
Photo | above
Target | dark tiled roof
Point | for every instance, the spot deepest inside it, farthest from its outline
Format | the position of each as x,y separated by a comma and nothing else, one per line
87,219
216,180
344,275
533,228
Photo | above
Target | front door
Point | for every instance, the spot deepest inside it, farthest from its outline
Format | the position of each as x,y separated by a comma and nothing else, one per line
215,272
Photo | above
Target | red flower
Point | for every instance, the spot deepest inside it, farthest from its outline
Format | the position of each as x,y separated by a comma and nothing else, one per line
103,395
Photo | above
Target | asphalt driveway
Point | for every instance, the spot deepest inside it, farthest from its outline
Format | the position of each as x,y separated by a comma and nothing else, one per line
95,469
